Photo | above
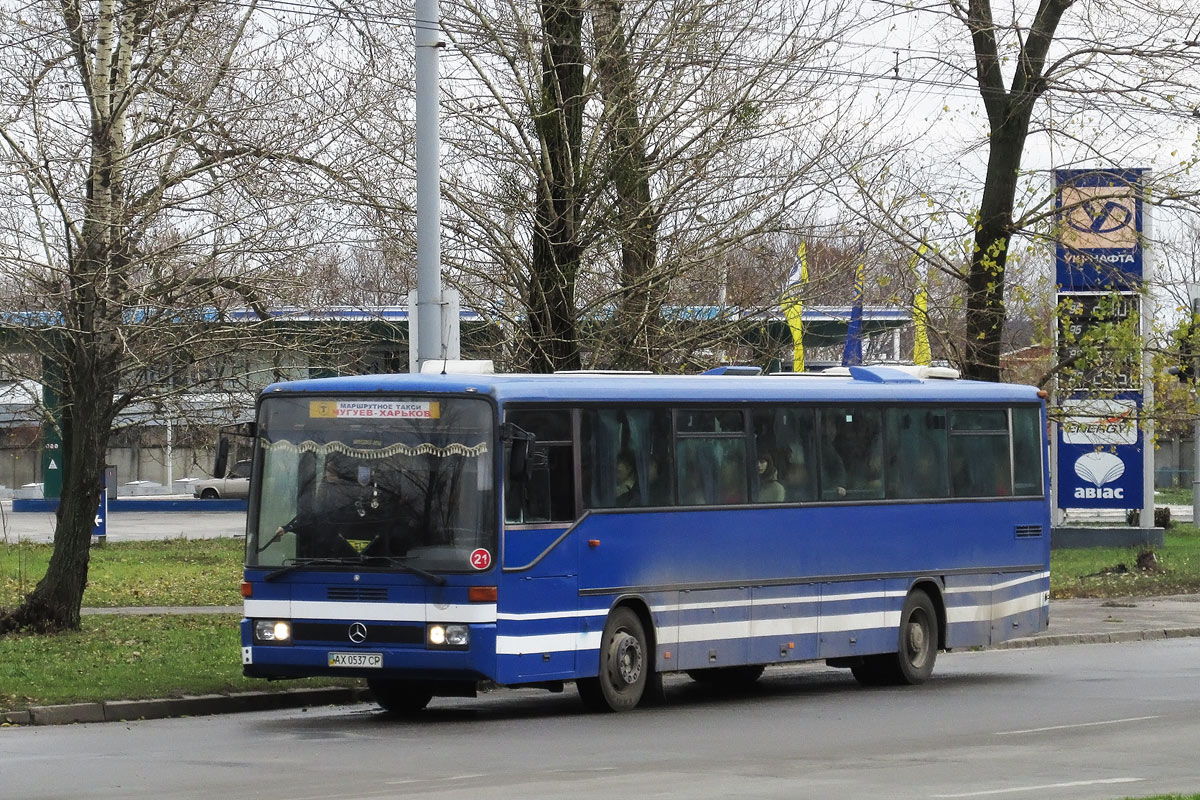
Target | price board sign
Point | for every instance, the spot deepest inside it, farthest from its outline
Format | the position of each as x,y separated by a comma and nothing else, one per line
1091,327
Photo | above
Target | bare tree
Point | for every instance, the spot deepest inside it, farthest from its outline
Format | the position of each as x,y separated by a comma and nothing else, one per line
701,129
163,167
1062,83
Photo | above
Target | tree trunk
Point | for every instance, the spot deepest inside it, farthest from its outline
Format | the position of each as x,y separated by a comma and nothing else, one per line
1009,114
642,289
88,386
556,246
985,281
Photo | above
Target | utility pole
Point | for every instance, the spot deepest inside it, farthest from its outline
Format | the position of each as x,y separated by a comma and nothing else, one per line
1194,297
427,35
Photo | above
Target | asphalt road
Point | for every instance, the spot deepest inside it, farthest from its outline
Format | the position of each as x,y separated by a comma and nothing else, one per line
125,526
1088,721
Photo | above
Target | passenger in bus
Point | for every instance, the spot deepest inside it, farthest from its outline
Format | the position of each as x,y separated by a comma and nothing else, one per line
924,480
798,480
691,486
319,532
833,471
657,484
626,492
731,489
338,489
770,490
869,475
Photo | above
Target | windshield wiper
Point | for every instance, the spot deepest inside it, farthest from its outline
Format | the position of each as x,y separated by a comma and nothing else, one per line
404,566
393,561
307,562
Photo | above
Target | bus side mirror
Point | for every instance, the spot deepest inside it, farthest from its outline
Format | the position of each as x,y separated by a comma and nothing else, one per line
222,458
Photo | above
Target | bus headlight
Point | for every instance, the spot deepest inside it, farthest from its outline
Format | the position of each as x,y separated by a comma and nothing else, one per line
448,635
272,631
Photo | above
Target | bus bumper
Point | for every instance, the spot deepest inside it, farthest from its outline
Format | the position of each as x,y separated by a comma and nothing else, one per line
345,658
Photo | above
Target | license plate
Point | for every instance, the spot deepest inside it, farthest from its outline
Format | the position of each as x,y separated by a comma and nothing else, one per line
362,660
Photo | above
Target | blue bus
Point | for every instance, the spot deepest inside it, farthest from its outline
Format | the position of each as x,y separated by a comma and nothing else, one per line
432,533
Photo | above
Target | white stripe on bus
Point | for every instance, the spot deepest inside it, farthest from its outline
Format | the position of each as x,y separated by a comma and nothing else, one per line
380,612
672,635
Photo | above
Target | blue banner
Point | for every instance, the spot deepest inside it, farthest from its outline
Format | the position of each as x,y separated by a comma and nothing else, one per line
1101,453
852,353
1100,222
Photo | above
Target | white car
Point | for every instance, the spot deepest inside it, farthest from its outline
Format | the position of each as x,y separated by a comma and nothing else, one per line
234,485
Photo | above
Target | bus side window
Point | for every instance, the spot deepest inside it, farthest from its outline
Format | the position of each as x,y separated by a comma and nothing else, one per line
711,453
916,453
549,494
783,439
851,454
979,453
626,457
1028,446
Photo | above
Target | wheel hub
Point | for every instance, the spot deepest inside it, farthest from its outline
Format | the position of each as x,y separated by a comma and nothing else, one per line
627,660
916,641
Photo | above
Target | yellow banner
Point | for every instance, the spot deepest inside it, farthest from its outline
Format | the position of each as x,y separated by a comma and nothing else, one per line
922,355
793,306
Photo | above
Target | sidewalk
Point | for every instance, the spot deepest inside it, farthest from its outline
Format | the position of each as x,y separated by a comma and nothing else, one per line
1071,622
127,526
1121,619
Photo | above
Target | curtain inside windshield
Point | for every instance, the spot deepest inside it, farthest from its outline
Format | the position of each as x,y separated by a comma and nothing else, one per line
374,482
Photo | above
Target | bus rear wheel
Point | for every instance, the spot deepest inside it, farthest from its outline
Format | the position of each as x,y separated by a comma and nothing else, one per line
916,648
625,666
399,697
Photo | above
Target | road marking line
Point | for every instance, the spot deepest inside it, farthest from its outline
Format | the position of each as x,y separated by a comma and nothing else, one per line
1079,725
1043,787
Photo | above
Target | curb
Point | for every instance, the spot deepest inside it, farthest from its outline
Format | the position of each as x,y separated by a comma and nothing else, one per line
1113,637
192,706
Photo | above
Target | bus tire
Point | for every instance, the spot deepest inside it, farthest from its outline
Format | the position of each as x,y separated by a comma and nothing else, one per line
916,648
625,665
399,697
918,644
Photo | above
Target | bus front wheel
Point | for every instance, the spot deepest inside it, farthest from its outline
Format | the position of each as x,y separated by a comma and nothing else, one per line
399,697
916,648
625,665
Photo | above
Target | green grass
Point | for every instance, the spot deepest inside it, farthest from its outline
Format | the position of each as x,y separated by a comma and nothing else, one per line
1097,571
118,657
175,572
206,572
1176,496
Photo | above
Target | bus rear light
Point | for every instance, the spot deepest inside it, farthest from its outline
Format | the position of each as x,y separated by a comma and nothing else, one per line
481,594
247,589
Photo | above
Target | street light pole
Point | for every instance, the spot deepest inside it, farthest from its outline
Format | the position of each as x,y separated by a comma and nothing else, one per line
1194,291
429,222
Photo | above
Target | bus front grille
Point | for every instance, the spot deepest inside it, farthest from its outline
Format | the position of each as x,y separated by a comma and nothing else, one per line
361,594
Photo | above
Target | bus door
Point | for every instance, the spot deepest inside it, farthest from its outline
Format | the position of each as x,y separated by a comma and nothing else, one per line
538,627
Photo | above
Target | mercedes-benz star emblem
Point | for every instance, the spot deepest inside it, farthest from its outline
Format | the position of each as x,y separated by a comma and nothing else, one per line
357,633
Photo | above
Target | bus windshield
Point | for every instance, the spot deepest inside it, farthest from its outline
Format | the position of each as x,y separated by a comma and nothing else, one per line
397,483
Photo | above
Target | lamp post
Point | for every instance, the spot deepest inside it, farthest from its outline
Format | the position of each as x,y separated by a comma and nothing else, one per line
429,266
1194,308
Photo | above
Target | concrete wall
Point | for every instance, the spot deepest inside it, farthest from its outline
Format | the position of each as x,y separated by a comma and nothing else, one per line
19,466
